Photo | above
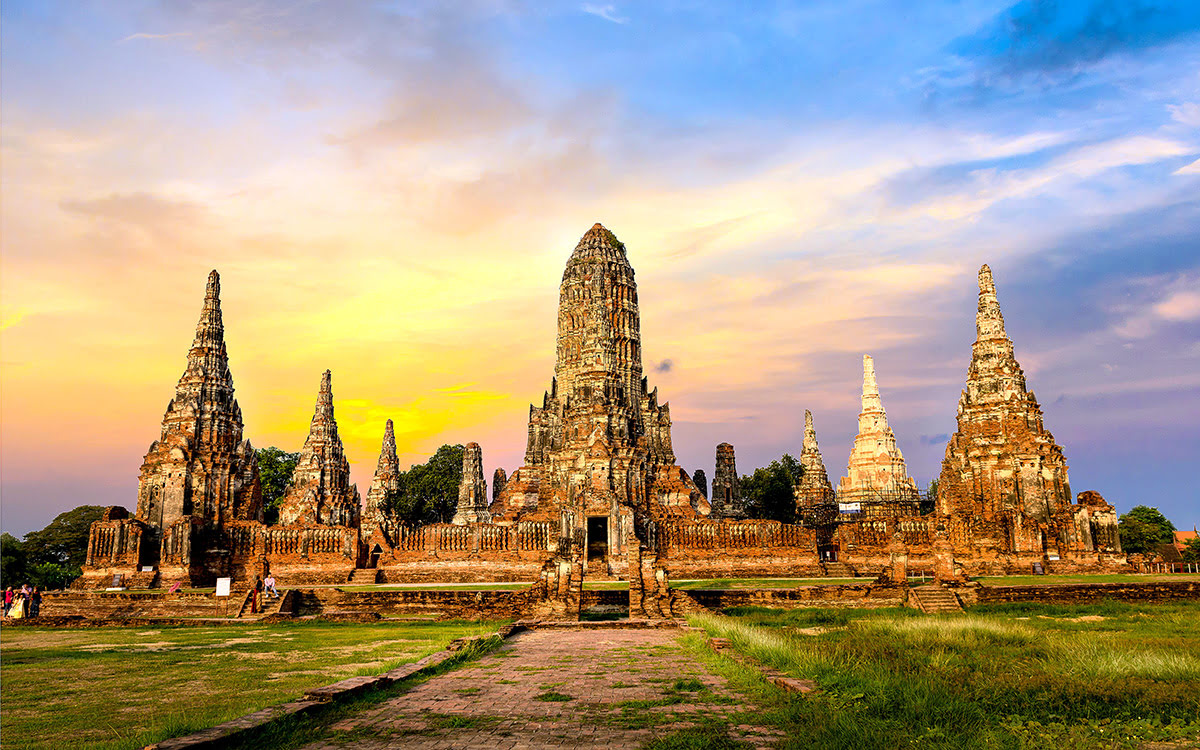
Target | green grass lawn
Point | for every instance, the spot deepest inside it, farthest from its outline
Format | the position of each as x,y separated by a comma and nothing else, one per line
127,687
1000,676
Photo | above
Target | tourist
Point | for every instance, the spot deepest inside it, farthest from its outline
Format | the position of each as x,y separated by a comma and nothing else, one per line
254,594
269,584
17,611
8,600
35,601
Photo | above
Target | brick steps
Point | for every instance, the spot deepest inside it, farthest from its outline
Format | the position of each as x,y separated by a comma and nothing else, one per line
936,599
839,570
364,576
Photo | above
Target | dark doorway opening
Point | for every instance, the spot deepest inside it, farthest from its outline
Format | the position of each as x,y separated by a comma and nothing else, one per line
597,535
376,551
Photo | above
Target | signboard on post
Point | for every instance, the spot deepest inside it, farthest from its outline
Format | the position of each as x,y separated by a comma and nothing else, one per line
223,590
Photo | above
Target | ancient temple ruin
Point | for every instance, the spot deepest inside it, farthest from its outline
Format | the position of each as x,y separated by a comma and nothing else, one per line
200,469
321,492
726,499
1003,474
376,520
876,481
599,493
472,489
814,489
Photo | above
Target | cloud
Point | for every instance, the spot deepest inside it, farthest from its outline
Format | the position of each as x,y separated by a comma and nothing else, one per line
1054,39
664,366
1193,168
607,12
1187,113
142,35
1165,300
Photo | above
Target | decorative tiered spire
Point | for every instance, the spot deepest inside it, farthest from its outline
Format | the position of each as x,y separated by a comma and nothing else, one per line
1001,458
385,481
875,472
200,466
321,492
726,500
814,487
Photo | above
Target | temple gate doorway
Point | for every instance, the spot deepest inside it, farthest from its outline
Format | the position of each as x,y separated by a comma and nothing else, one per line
597,537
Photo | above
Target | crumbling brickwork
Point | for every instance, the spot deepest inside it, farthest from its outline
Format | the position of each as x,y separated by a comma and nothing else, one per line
814,489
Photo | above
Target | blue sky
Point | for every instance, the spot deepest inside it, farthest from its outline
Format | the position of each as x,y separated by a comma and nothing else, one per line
391,190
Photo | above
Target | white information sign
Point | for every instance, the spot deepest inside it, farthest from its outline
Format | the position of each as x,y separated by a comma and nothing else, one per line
223,586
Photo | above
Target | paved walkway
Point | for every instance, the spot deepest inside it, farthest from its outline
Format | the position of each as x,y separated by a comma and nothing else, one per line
556,689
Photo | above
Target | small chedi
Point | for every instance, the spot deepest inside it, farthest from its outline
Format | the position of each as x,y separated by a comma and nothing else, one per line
378,528
1004,479
876,481
321,492
472,489
814,489
726,500
599,493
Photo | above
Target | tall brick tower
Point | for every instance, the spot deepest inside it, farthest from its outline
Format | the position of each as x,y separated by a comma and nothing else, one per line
600,439
1001,459
200,467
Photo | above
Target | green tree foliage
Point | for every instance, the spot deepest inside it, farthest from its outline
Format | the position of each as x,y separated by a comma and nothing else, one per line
275,467
701,481
64,540
428,492
51,557
770,492
13,569
1191,550
1142,529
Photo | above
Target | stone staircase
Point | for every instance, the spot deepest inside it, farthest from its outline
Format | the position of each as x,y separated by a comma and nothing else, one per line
141,580
364,577
839,570
933,598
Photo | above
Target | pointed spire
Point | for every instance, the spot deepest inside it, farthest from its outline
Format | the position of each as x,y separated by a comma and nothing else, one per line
870,390
989,322
814,487
325,396
387,453
210,331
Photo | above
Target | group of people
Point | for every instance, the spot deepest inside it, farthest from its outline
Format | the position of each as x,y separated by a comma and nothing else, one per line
262,589
23,603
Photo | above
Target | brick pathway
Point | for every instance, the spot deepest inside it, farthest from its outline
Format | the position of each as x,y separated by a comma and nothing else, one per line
555,689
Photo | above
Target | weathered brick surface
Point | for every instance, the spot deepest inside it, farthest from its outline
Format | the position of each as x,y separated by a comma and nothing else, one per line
1082,593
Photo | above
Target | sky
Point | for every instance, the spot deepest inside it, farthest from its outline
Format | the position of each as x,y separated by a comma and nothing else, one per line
391,190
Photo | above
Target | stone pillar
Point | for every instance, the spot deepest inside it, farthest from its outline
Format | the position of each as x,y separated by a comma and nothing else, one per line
472,490
899,565
943,558
499,480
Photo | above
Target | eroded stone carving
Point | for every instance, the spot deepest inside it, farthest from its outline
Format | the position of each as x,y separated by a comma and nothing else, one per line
385,482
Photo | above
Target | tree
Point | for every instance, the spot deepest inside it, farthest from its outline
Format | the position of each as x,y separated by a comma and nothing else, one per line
1143,529
700,481
275,468
770,492
1191,550
64,540
12,561
428,492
